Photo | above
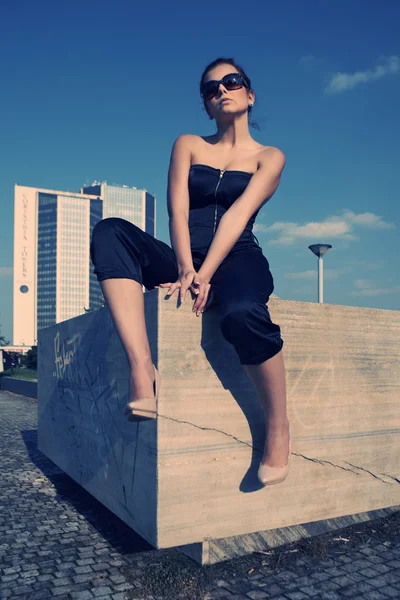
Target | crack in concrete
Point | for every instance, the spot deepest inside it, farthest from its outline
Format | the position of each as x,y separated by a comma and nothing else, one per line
396,479
315,460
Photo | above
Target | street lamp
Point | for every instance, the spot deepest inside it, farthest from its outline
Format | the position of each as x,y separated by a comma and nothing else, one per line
319,250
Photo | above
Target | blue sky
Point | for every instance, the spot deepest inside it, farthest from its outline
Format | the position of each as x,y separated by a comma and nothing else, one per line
100,90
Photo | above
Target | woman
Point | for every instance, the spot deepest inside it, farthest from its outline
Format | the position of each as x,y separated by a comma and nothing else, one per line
216,187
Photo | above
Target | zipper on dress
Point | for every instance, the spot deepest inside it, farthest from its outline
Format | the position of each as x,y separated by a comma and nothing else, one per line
215,194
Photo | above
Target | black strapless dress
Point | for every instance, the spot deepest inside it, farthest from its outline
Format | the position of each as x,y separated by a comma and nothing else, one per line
212,192
243,282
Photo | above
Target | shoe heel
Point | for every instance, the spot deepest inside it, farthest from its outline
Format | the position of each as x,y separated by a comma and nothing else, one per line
146,413
272,475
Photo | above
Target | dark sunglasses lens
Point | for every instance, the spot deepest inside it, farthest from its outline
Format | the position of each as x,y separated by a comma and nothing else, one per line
232,81
210,89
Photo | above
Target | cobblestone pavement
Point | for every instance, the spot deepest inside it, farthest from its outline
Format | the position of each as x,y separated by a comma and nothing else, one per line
57,541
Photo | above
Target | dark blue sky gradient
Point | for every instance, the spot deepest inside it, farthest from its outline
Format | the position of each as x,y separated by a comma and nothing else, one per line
100,90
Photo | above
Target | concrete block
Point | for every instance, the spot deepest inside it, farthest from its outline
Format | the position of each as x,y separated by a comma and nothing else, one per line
190,478
25,387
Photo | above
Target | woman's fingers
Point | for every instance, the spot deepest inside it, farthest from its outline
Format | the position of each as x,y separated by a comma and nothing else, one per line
186,283
201,299
195,287
189,281
203,304
172,287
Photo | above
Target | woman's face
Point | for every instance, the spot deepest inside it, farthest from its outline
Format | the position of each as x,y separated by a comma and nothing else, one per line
227,102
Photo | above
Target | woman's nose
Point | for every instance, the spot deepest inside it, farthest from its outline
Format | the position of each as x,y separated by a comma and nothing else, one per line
221,89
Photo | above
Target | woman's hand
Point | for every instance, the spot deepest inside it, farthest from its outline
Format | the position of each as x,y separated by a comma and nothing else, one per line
204,294
193,281
184,282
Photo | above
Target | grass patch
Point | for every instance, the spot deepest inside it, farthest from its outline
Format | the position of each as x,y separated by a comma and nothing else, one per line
29,374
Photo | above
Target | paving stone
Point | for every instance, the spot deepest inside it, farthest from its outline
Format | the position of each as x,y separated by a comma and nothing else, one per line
379,582
85,561
257,595
117,578
11,577
62,581
83,578
85,569
11,570
381,568
100,566
21,589
121,587
375,595
331,595
310,590
57,542
342,581
101,591
320,576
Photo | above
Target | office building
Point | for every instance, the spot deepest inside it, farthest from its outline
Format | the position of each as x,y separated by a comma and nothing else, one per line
134,205
51,258
53,273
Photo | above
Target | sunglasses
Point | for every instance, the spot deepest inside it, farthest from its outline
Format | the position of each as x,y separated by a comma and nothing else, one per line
232,81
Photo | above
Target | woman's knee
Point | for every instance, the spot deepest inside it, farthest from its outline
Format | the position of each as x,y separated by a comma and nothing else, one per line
106,227
248,327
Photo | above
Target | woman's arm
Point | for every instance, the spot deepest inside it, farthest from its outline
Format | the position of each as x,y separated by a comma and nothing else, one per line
178,202
260,189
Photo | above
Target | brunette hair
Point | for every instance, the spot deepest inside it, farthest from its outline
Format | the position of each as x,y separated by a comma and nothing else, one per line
228,61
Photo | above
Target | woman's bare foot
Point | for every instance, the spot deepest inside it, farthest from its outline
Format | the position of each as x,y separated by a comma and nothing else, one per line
141,381
276,448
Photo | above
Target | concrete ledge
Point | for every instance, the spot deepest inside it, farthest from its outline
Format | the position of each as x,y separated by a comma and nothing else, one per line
215,551
25,387
191,477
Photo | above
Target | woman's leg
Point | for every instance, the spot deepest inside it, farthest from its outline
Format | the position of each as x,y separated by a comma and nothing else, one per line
242,286
125,257
269,382
125,300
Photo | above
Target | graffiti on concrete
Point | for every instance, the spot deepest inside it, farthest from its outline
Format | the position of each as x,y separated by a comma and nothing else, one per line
65,357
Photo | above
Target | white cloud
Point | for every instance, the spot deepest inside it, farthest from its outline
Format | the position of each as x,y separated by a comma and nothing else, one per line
312,274
369,265
364,283
367,220
366,287
6,271
309,61
333,227
369,291
346,81
302,275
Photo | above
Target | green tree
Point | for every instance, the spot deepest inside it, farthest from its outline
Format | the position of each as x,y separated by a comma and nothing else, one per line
30,359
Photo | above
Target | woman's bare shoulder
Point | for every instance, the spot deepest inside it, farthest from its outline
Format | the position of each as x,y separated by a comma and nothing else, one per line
266,152
187,143
267,149
185,139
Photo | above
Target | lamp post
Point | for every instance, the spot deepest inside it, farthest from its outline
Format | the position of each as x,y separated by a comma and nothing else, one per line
319,250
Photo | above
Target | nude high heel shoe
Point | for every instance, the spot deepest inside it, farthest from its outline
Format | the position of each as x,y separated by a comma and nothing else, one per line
271,475
144,409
